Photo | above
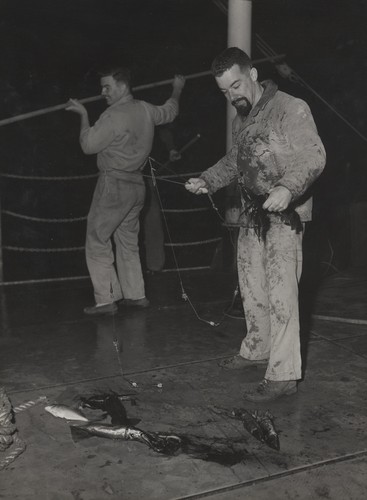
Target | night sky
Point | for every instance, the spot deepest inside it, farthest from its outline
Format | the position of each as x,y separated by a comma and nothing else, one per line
52,47
55,46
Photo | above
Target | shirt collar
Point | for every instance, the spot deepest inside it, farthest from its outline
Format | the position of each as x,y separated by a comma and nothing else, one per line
123,100
270,89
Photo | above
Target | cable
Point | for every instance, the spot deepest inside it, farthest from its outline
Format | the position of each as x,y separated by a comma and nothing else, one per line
288,72
184,295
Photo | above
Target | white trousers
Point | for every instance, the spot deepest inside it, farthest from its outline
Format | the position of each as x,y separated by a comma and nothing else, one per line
269,273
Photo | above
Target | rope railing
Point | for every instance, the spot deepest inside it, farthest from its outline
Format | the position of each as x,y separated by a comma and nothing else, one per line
43,250
13,248
43,280
63,220
77,249
39,219
183,210
196,268
79,219
193,243
48,178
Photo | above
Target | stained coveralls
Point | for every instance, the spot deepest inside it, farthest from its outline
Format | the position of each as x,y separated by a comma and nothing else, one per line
277,144
122,138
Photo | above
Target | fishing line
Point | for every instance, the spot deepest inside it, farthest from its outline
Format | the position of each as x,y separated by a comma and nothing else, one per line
118,349
221,218
163,179
163,166
215,208
184,295
236,290
153,177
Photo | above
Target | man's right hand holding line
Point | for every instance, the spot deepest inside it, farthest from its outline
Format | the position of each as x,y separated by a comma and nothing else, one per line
196,186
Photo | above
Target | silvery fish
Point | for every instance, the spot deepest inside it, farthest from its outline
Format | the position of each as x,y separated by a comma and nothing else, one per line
63,411
167,444
111,432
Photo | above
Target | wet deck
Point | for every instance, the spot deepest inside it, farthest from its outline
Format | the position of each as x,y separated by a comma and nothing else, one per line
48,348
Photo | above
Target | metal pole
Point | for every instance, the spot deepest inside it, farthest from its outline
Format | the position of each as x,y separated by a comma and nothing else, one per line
58,107
239,35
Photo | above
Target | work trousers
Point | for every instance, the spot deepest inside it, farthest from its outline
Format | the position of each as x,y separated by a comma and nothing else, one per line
269,272
114,212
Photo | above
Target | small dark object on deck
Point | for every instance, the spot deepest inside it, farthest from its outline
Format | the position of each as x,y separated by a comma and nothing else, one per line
260,425
111,404
265,420
250,424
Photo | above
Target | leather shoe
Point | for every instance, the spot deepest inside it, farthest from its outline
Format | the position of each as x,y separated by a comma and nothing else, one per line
269,390
144,302
238,362
105,309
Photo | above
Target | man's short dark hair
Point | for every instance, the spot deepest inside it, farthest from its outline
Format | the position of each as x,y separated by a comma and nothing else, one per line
119,73
229,57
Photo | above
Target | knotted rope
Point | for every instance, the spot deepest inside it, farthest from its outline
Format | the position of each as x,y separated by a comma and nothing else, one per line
8,432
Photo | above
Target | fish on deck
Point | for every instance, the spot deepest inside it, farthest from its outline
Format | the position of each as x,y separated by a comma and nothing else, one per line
167,444
63,411
265,420
121,427
258,423
249,423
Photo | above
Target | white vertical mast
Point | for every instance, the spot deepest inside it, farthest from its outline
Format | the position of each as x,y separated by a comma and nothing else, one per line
239,35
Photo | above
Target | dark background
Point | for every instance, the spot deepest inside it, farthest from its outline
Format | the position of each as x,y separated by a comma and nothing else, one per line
50,50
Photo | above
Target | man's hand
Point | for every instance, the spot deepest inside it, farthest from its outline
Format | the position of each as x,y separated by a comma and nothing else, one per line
75,106
196,186
178,82
174,155
278,200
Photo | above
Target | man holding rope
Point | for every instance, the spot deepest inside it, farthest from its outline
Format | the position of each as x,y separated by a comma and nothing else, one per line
122,138
276,156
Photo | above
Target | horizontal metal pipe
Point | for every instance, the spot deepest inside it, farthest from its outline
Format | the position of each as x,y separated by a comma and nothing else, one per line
58,107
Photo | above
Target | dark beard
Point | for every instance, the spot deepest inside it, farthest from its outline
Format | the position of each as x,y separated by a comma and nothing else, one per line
243,106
